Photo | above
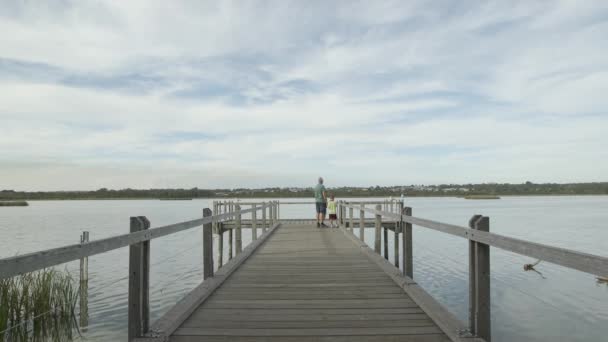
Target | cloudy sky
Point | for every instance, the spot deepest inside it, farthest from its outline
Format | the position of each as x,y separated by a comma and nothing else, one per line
275,93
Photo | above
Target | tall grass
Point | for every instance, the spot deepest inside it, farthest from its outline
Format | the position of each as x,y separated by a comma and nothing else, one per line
38,306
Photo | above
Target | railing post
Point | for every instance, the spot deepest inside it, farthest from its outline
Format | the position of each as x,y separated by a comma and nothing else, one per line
84,285
278,210
270,217
408,255
207,246
230,232
472,269
264,216
385,242
218,229
237,236
378,228
343,211
398,230
481,285
139,282
350,215
362,223
254,222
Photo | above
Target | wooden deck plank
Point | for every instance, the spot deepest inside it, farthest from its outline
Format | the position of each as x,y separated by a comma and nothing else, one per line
309,284
350,338
416,330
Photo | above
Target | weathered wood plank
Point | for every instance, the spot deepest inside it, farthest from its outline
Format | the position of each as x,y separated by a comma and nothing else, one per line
351,338
309,332
264,323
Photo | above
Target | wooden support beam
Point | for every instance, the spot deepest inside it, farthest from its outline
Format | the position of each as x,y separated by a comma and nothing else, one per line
396,247
483,326
230,241
139,282
362,223
84,285
264,217
254,223
218,229
350,215
472,278
385,243
378,232
207,246
397,230
408,255
237,236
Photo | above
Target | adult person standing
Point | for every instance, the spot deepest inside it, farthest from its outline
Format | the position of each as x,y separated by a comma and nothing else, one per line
320,202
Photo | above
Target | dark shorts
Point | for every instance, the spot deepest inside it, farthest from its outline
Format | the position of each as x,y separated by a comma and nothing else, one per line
333,216
321,207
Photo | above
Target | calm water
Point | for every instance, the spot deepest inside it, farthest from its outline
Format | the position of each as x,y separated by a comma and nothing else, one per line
565,305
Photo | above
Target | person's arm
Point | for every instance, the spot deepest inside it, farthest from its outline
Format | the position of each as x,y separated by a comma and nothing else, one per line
324,195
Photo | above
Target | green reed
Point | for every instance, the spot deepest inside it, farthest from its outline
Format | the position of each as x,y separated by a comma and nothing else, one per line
38,306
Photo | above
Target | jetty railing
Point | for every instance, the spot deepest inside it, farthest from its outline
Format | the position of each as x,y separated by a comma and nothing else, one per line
138,241
480,240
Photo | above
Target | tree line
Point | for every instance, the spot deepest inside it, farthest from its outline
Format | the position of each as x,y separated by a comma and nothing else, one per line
527,188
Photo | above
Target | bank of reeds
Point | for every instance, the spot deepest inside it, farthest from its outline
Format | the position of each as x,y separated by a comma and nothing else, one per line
13,204
38,306
481,197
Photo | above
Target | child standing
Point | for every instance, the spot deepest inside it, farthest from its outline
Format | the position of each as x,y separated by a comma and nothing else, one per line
331,208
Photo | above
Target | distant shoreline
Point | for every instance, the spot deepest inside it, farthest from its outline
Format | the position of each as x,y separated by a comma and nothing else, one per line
292,197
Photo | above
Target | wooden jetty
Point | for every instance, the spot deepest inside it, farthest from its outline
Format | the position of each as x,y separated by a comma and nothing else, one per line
295,282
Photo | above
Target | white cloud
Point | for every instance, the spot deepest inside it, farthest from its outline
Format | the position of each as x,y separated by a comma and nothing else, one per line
274,93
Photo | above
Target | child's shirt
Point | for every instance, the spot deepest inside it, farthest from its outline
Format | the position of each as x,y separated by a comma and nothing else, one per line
331,207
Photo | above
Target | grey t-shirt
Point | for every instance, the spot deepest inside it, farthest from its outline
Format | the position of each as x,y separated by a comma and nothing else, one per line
319,193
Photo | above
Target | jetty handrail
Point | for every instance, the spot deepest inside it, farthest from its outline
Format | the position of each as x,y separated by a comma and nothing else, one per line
12,266
584,262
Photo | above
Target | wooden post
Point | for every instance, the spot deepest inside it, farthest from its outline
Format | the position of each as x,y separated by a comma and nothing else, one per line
396,245
237,236
352,222
278,210
378,228
218,229
385,243
408,255
270,223
214,223
84,285
398,230
483,326
207,246
254,222
362,223
264,216
230,239
472,277
139,282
